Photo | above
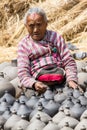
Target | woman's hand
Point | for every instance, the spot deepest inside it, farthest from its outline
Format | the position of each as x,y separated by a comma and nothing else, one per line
74,85
40,87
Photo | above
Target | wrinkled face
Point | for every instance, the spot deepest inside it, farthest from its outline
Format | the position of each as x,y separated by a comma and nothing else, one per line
36,26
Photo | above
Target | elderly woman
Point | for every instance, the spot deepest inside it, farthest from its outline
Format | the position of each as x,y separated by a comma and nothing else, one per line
43,56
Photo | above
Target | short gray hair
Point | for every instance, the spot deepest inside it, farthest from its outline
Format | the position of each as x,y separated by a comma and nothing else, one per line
35,10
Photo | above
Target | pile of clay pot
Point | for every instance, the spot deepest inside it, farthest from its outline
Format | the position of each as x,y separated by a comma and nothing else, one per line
59,108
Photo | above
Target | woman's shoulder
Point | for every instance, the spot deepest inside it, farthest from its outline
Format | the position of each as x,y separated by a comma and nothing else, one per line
24,39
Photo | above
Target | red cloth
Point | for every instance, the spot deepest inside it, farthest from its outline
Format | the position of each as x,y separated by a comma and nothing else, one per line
51,77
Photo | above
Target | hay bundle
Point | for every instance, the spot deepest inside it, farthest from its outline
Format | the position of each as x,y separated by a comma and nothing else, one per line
57,8
80,38
64,4
11,8
76,26
68,16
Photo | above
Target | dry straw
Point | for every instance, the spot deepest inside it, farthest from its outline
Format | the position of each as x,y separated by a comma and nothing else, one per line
69,17
75,26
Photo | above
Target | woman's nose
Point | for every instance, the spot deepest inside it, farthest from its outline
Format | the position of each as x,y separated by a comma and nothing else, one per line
35,29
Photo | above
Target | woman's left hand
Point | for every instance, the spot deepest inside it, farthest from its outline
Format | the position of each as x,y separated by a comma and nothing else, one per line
72,84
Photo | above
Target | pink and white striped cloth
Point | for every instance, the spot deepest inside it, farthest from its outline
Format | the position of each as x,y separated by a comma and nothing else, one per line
34,55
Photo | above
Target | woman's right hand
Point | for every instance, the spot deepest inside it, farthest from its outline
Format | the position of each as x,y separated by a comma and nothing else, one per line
40,87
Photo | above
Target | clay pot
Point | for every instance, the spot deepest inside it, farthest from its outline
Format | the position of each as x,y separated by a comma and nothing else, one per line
9,98
51,108
32,101
7,113
44,117
83,99
67,90
20,125
68,102
59,116
6,85
23,98
80,64
15,106
71,121
84,115
24,110
76,93
60,97
3,106
37,124
82,77
42,100
16,83
11,121
79,55
10,72
51,126
36,109
49,94
3,65
82,123
66,127
77,110
2,121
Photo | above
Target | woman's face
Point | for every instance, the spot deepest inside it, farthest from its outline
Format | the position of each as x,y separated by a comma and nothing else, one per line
36,26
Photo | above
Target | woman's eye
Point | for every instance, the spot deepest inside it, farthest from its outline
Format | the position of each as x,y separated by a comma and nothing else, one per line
39,24
31,26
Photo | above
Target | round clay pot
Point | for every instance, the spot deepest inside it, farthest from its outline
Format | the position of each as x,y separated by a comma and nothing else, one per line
10,72
32,101
49,94
82,123
24,110
51,126
9,98
3,106
22,124
71,121
3,65
83,99
68,102
23,98
59,116
7,113
2,121
11,121
66,127
82,77
37,124
16,83
80,64
76,93
15,106
77,110
51,108
44,117
60,97
6,85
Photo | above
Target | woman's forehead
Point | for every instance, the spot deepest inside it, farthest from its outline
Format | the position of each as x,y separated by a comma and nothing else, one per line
35,16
